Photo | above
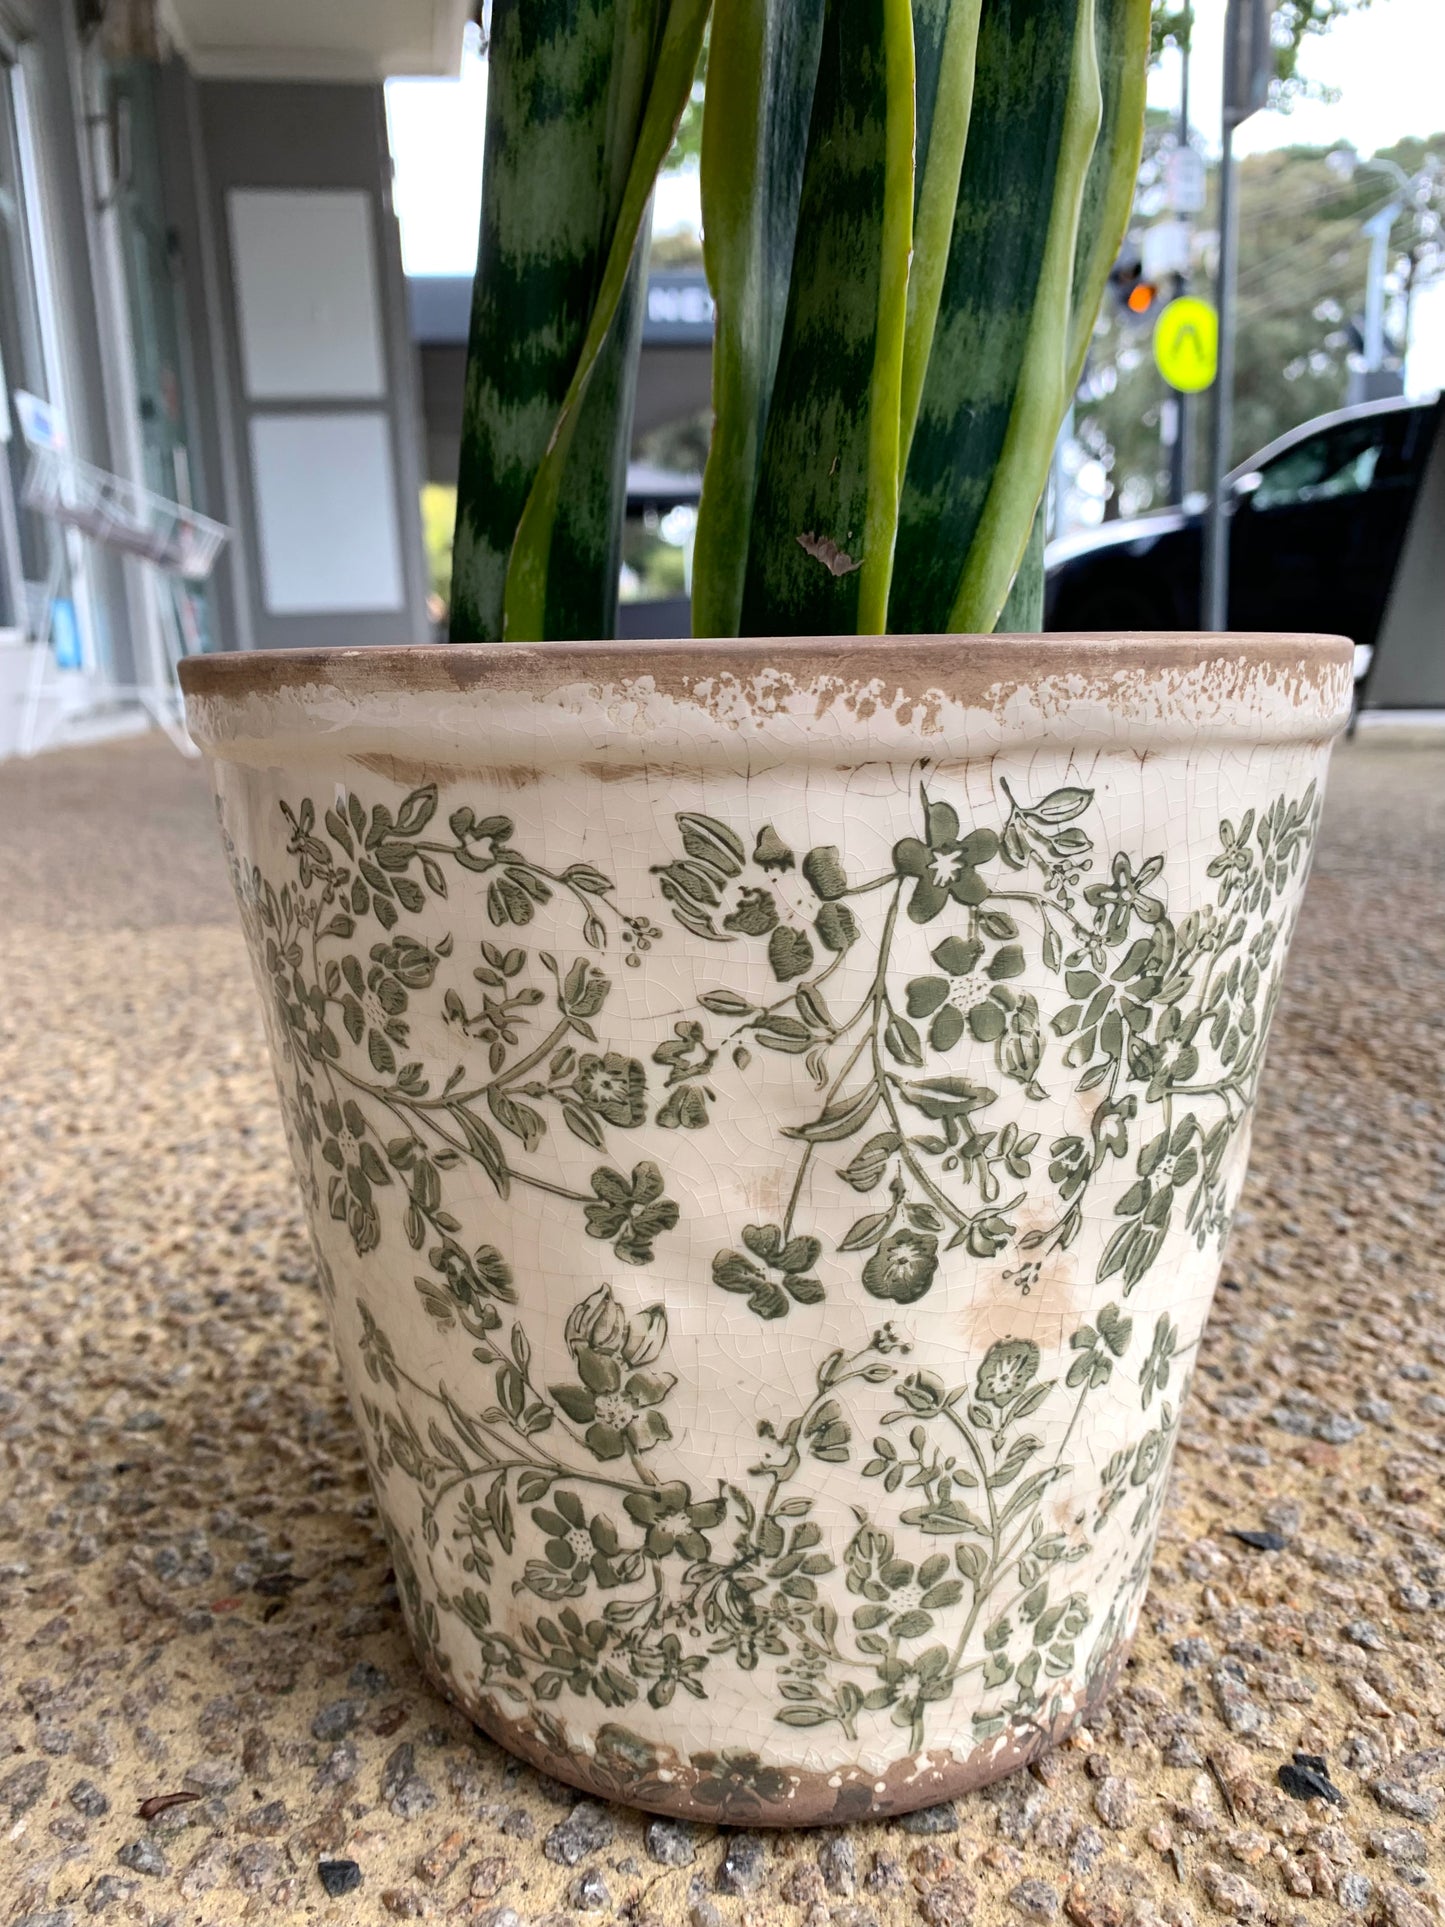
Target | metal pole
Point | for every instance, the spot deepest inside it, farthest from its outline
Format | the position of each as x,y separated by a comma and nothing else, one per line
1179,454
1215,612
1378,229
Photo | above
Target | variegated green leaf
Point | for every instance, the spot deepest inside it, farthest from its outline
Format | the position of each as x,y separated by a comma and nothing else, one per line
825,519
945,38
1023,613
578,117
762,70
566,83
1123,37
563,535
997,379
584,554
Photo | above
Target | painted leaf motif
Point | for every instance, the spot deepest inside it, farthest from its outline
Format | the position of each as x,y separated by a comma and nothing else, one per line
971,1517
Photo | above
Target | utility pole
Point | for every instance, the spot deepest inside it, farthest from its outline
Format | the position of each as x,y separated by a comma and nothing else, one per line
1248,70
1378,228
1368,383
1179,454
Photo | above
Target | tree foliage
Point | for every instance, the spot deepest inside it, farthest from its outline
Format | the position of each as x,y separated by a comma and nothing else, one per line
1303,261
1295,21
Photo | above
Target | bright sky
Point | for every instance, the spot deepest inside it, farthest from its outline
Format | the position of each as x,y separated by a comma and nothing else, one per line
1385,64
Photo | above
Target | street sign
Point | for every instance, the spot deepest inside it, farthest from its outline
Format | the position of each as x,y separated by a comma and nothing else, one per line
1248,58
1164,249
1184,182
1186,344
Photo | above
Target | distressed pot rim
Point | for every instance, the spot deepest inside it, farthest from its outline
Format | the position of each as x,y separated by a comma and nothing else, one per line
825,700
919,665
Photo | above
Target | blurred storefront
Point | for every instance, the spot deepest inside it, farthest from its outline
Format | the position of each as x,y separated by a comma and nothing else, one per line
200,276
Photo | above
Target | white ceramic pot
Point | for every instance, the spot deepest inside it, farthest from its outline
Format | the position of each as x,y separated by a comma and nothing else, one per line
769,1115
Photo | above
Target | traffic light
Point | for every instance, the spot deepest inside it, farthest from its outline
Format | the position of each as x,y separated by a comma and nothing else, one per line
1138,297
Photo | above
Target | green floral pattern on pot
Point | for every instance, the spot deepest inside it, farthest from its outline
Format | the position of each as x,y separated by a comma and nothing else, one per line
769,1229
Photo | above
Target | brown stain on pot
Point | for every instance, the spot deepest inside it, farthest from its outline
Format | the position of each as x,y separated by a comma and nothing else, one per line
412,772
1055,1305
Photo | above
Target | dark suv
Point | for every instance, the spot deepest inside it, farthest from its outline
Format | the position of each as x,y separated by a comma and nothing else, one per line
1318,522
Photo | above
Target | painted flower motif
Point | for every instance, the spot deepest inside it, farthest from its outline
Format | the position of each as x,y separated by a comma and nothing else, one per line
481,840
755,915
1155,1375
1172,1058
668,1667
582,993
600,1324
373,1007
615,1087
735,1783
411,962
687,1059
632,1214
576,1545
945,867
916,1682
1148,1456
1235,863
357,1166
1125,896
967,995
617,1410
1167,1163
475,1279
901,1595
673,1520
792,1258
903,1266
1007,1368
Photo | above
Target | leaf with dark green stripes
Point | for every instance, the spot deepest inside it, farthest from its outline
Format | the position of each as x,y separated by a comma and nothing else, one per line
563,94
825,518
1123,37
591,524
762,70
945,46
1023,613
997,379
585,552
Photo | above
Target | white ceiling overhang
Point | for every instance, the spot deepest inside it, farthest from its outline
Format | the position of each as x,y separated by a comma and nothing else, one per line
318,39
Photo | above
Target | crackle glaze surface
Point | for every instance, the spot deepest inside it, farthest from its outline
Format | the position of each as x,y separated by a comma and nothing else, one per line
769,1139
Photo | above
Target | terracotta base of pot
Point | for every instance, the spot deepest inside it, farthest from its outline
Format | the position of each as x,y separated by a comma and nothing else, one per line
739,1789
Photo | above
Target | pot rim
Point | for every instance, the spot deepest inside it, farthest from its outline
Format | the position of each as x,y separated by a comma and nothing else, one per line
916,665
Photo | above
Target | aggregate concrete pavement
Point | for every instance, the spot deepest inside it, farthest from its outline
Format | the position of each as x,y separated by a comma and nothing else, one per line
195,1598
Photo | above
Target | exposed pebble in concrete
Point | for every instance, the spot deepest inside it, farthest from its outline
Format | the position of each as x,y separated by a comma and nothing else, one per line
744,1863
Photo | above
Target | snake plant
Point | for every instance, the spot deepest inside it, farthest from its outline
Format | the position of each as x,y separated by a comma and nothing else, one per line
910,209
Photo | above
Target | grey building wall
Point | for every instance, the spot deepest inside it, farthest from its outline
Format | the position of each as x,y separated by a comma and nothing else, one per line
96,420
220,485
1409,671
300,136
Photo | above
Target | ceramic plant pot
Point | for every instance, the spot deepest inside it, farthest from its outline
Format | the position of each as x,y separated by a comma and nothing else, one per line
769,1115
